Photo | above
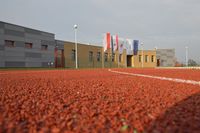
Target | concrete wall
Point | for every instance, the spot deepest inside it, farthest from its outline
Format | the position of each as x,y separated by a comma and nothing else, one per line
166,57
116,62
83,56
2,60
149,62
19,56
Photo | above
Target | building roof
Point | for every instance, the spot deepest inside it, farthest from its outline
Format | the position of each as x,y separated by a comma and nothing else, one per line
26,27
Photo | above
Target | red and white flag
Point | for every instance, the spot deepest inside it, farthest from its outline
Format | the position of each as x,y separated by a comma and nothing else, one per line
115,42
106,41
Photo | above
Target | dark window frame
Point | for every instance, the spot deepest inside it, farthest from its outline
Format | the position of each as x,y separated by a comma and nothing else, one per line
28,45
146,58
120,57
140,58
98,56
44,47
73,55
113,57
90,56
105,57
9,43
152,58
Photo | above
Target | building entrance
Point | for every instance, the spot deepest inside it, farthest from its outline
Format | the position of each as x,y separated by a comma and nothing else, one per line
129,60
59,58
158,62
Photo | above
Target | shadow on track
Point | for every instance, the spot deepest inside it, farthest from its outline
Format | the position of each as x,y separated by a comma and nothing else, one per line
183,117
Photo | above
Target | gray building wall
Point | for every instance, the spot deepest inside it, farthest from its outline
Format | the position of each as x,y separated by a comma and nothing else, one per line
19,56
166,57
60,44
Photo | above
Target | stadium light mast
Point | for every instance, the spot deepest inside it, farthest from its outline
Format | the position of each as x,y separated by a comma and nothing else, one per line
142,54
75,29
186,56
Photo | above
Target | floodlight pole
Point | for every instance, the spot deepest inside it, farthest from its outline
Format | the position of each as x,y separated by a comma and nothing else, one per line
186,56
75,29
142,54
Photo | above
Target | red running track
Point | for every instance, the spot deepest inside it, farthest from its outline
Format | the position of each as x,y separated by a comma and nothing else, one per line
97,101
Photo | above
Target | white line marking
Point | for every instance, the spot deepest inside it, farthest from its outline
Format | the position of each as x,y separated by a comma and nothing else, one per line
183,68
160,78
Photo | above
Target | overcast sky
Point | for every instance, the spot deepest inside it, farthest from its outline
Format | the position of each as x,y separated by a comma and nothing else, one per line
156,23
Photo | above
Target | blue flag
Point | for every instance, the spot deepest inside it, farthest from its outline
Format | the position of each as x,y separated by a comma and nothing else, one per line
135,46
112,45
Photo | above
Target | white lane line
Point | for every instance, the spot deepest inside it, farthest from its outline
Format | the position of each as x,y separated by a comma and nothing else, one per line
160,78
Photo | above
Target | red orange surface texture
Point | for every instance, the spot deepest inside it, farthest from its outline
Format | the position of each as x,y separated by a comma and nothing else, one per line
98,101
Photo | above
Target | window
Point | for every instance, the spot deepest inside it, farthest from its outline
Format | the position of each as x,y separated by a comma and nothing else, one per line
146,58
152,58
140,58
120,57
44,47
28,45
113,57
73,55
98,56
9,43
90,56
106,57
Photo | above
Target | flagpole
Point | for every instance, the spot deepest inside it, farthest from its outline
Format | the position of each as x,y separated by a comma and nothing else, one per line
142,55
126,59
112,50
126,52
118,59
117,43
103,52
76,47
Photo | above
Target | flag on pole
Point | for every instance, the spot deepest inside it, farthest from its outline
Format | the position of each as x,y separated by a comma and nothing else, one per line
135,49
106,41
115,42
112,45
121,45
128,46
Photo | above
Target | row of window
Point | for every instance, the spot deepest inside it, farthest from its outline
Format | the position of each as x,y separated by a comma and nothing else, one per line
73,55
27,45
146,59
98,57
120,58
112,57
9,43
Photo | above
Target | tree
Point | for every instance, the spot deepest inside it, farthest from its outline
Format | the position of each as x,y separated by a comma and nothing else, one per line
178,64
191,62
